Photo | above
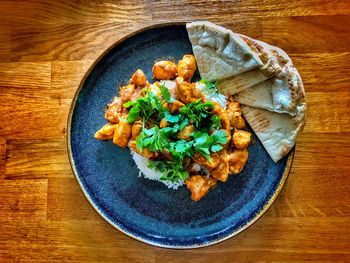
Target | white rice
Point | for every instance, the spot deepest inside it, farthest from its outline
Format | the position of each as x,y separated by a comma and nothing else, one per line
150,173
143,162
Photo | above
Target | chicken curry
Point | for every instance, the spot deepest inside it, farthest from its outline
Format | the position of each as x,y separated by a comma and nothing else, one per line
171,122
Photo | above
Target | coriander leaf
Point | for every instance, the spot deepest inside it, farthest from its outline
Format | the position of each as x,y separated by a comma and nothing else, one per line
139,141
145,107
149,132
197,111
220,137
204,151
183,123
180,149
209,84
171,118
133,114
183,146
216,147
128,104
165,94
196,134
153,139
215,122
171,171
202,143
168,130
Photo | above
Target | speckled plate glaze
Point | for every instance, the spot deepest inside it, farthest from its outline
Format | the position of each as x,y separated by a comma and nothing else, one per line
147,210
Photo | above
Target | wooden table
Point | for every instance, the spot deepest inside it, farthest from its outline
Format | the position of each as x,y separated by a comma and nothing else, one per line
45,48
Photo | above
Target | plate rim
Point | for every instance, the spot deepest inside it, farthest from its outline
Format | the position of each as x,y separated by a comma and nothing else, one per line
257,216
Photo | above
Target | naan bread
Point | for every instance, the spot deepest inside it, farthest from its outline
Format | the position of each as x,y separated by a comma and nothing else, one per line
219,52
276,131
271,68
282,93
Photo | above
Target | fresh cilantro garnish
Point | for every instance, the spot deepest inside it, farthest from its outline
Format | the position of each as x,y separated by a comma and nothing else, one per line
172,171
172,118
215,122
215,148
165,94
181,149
209,84
158,139
204,143
145,107
153,139
197,111
219,136
180,125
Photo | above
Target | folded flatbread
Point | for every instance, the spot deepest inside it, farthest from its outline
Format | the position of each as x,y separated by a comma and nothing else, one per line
271,68
276,131
276,108
219,52
262,78
283,93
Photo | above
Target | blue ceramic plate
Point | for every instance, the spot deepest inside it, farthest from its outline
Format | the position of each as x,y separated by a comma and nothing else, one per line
148,210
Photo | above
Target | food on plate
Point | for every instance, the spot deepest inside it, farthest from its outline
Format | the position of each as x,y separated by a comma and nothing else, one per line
271,92
179,132
240,82
283,94
193,133
219,52
276,131
164,70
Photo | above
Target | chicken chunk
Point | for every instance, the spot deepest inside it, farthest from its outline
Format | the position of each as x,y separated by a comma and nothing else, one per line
222,170
145,152
122,134
235,114
187,67
210,164
174,106
164,70
106,132
237,160
223,115
199,186
115,110
126,92
185,133
241,139
136,129
138,78
137,93
187,92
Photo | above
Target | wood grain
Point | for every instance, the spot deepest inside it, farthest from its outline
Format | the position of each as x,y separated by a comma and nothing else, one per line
37,159
67,203
46,47
3,145
327,77
23,200
328,113
64,41
308,34
73,71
